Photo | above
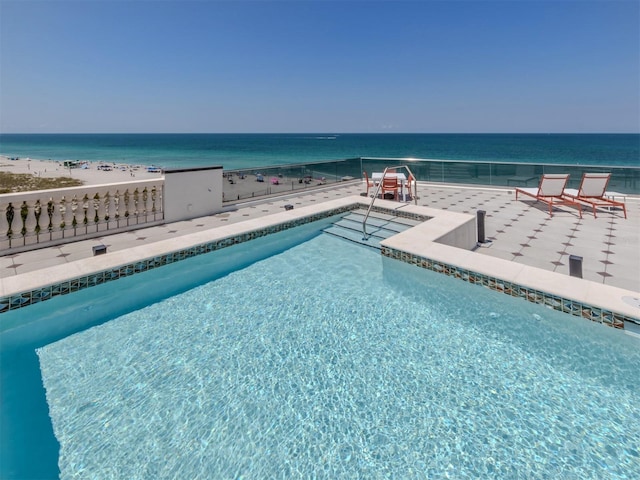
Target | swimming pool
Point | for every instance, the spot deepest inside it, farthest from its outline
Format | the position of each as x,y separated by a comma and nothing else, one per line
304,355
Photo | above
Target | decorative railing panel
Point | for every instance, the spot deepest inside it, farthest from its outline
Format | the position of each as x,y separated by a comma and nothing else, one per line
47,217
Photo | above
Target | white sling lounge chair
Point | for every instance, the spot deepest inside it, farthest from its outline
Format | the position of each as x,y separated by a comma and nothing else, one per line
593,191
551,191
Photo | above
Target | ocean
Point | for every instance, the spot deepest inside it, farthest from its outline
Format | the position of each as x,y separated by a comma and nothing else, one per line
235,151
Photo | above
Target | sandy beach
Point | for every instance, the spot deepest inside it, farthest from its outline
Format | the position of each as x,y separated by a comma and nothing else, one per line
89,175
235,187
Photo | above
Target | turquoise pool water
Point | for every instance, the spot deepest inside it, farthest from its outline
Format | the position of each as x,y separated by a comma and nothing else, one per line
327,360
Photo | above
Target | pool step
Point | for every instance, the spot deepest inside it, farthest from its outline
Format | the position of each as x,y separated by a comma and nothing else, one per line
379,227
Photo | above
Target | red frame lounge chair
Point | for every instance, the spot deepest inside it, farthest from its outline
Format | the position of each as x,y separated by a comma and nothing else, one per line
593,191
551,191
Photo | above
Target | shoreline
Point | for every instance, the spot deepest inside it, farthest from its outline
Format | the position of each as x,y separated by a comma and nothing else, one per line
240,187
89,175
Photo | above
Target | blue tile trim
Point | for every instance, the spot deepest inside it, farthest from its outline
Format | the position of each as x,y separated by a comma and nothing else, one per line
25,299
550,300
553,301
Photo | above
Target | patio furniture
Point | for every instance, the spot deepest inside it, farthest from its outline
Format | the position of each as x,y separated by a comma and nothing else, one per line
377,177
400,178
524,174
551,191
368,183
409,185
390,184
593,191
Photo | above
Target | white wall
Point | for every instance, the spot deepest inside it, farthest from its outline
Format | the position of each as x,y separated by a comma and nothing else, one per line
192,192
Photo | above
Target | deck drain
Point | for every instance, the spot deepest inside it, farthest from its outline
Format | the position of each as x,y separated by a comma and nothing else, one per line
633,301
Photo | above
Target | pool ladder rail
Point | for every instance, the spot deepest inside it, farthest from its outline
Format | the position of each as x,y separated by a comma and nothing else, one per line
412,184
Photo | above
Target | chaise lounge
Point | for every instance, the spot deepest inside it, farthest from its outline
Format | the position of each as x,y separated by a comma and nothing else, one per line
593,191
550,190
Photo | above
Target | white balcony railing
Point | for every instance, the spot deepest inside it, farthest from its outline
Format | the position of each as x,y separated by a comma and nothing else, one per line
43,218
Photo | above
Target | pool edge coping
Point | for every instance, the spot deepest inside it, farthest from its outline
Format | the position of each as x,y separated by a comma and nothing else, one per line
418,245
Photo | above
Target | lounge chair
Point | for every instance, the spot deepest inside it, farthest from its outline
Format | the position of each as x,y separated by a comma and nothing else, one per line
551,191
593,191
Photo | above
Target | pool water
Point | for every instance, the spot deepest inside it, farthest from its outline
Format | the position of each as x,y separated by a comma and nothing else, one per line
327,360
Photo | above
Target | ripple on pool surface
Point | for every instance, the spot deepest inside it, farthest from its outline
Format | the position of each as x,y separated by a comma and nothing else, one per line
329,361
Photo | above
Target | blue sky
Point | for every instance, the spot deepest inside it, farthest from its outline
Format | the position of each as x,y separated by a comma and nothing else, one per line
319,66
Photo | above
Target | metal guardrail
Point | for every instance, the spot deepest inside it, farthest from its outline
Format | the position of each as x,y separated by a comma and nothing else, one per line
412,183
278,179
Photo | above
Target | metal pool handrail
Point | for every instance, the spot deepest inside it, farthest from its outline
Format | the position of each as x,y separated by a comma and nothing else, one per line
375,195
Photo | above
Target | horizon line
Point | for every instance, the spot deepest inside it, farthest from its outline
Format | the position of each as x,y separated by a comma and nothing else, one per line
320,133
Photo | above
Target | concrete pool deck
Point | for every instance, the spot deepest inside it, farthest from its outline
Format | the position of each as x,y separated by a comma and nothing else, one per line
520,235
